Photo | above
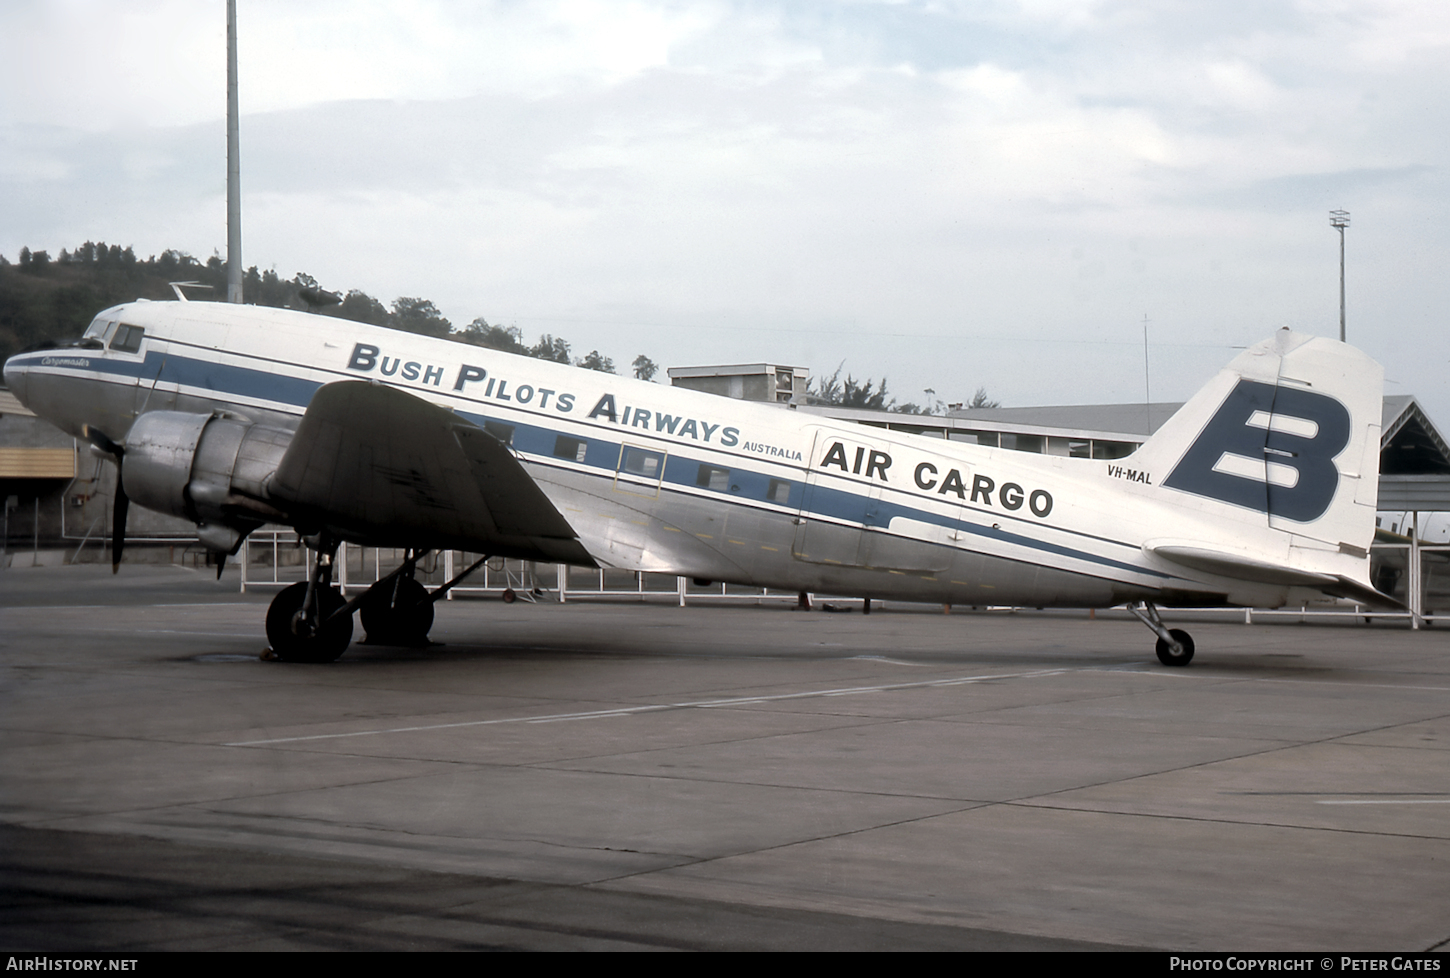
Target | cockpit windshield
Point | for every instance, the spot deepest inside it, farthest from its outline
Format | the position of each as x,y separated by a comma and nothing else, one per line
100,329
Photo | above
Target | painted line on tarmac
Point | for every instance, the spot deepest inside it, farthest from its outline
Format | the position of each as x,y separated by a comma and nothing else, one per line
660,707
1388,801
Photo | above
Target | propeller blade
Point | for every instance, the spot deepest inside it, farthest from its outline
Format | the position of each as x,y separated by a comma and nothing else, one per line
100,439
118,522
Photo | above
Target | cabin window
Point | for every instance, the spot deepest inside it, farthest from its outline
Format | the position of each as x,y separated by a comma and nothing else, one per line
712,477
570,448
779,492
503,432
127,339
643,463
640,471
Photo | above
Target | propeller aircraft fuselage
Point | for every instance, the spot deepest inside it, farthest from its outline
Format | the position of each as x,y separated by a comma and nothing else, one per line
1260,490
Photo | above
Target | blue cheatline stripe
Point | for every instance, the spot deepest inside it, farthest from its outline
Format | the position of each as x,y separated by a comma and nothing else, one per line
130,369
229,380
225,378
852,508
823,501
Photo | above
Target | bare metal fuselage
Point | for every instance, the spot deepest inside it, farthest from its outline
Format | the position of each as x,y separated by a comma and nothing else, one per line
653,478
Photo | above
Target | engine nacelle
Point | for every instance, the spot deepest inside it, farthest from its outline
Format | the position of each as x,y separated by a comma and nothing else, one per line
209,468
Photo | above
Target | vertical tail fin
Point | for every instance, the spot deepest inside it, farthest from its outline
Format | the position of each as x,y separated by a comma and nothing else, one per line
1274,465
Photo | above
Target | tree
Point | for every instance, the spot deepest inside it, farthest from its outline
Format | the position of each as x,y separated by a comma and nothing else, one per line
362,308
980,400
550,348
826,390
850,393
645,368
509,339
594,361
419,316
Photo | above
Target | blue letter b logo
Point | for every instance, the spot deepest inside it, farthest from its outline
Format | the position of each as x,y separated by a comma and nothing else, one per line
1268,448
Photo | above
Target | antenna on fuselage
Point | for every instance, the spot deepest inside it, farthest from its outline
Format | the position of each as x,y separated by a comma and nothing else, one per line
234,165
318,298
178,286
1147,386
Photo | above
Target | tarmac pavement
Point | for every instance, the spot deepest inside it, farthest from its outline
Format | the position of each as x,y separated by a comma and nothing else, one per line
625,775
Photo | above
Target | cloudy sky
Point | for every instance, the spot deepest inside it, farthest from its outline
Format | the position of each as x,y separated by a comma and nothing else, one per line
950,194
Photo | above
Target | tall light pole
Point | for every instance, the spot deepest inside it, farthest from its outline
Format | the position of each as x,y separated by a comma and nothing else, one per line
1340,220
234,165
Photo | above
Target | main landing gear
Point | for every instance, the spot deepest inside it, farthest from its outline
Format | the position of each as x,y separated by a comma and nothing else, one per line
398,610
1175,646
312,622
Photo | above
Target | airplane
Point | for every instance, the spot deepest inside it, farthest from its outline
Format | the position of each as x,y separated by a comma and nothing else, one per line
1259,492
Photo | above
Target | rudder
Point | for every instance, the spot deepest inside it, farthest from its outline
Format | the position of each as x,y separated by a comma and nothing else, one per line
1276,460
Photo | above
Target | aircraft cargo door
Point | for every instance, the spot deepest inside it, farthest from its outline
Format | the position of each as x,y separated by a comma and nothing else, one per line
835,508
858,514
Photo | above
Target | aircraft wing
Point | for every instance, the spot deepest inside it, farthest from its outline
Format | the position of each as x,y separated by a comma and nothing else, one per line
380,466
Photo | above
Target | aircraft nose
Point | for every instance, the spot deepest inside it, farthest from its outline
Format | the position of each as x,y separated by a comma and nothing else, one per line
15,378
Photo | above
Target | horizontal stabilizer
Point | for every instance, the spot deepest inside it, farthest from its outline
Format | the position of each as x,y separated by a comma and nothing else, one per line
1364,594
1229,564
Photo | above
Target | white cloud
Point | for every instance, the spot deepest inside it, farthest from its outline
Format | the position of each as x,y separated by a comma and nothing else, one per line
712,181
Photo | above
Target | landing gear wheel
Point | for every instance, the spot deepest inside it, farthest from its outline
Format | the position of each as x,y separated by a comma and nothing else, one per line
404,620
509,597
291,639
1168,657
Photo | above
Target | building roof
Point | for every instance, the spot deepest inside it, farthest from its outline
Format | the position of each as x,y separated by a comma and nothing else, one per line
731,370
1410,444
10,405
1089,420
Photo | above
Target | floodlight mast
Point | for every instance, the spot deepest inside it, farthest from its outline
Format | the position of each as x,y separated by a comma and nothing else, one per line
1339,220
234,165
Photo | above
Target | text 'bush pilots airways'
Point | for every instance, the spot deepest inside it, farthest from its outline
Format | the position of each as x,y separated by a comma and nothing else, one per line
1260,488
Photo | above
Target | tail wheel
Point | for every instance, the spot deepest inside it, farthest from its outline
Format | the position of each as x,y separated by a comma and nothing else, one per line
293,640
1168,657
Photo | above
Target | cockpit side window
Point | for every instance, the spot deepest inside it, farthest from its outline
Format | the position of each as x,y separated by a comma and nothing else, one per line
127,338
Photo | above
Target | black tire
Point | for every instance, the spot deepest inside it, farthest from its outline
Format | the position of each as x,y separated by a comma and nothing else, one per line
509,597
1168,657
332,639
403,622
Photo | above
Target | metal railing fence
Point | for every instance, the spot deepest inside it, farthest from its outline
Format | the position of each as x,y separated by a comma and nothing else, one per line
274,557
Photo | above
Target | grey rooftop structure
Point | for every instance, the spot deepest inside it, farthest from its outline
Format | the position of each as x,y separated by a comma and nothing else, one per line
745,381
